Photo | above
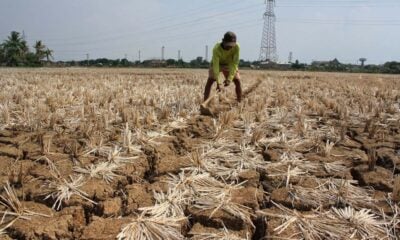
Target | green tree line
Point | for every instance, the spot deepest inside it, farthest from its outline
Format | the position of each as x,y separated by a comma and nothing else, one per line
15,52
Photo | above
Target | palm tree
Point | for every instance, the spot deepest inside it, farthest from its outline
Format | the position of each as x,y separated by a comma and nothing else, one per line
15,49
49,54
40,50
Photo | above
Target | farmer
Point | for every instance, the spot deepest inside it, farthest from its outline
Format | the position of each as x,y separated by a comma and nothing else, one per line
226,60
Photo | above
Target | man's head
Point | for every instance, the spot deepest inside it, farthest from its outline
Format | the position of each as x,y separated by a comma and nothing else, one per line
229,40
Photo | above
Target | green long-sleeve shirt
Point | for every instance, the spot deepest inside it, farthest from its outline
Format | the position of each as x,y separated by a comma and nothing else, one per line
229,58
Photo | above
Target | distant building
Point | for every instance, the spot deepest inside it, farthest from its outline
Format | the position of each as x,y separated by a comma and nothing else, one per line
320,63
274,65
155,63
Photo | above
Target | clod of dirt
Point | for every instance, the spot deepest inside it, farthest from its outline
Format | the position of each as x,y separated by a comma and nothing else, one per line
251,177
218,220
201,126
135,170
112,207
184,142
138,195
272,223
388,159
40,171
10,151
305,147
379,178
31,150
14,140
356,156
271,182
78,214
33,190
381,203
171,164
349,143
271,155
250,197
309,182
18,172
282,196
160,184
56,227
62,162
103,229
97,189
5,163
6,133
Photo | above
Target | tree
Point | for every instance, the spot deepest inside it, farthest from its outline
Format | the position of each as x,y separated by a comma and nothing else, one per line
297,65
49,54
171,62
391,67
15,50
40,50
196,63
124,62
1,55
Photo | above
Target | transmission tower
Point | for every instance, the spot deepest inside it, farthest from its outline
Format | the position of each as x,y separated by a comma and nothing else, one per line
290,57
268,43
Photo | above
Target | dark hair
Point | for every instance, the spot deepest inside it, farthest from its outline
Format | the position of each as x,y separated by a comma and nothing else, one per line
229,37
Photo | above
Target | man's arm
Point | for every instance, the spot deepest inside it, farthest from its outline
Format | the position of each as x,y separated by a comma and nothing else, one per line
234,65
215,65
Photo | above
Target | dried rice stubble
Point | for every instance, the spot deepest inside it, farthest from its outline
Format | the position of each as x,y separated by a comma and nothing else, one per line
336,224
334,192
144,227
222,234
14,209
223,201
61,190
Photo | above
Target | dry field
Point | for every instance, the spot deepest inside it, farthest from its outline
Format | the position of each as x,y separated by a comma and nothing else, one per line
125,154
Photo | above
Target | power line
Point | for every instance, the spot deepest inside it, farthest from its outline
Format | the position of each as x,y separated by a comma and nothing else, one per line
191,35
190,23
340,22
336,6
151,20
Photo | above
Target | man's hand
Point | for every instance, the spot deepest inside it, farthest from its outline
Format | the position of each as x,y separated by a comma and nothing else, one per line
227,83
219,87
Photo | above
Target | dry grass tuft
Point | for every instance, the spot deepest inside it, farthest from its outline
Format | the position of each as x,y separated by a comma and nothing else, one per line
336,224
144,228
105,171
14,209
61,190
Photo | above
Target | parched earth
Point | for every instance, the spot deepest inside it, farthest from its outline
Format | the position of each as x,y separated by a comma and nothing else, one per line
300,147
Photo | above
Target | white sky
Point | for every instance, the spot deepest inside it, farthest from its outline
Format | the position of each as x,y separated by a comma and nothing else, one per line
311,29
